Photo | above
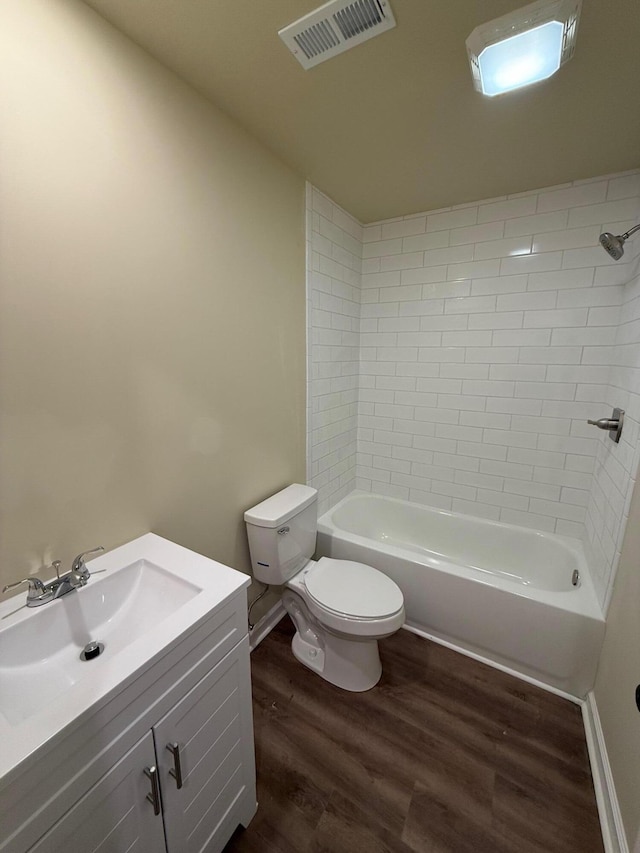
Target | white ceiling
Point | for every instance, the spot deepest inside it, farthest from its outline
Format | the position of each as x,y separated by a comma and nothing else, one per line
394,125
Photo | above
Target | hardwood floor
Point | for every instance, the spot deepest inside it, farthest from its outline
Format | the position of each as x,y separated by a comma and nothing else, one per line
444,755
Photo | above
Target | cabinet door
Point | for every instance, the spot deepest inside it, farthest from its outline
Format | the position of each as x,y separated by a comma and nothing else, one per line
114,815
213,729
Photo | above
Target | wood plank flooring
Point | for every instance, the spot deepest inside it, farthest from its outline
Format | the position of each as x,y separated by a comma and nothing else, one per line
444,755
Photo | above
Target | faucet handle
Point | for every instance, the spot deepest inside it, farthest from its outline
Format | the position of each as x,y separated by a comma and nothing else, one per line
36,587
605,423
78,564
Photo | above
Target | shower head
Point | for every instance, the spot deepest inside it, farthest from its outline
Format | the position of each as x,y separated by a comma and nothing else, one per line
613,245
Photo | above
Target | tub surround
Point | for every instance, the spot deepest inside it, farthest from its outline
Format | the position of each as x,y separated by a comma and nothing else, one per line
334,260
489,333
616,468
488,588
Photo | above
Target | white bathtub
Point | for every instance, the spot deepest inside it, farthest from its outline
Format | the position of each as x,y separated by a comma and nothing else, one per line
501,592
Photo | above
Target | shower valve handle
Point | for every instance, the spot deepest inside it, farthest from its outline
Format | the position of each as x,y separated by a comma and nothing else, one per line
613,424
605,423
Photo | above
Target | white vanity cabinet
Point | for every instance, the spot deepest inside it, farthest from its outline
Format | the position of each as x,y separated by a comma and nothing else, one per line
173,707
185,794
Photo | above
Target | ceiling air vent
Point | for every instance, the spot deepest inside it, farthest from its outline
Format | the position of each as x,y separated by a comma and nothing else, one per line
336,27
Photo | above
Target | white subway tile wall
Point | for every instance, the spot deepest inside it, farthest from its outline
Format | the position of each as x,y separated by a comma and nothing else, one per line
616,466
489,333
334,263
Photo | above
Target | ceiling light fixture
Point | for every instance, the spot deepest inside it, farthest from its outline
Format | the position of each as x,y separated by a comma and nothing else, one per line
524,46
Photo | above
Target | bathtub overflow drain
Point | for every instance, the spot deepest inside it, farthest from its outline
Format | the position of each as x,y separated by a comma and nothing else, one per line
91,650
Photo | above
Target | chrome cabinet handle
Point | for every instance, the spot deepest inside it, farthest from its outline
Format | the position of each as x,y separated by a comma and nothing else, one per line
176,770
154,796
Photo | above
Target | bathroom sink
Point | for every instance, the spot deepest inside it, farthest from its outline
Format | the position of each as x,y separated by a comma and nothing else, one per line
140,600
40,658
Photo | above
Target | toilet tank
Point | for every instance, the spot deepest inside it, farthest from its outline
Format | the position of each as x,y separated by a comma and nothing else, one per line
282,533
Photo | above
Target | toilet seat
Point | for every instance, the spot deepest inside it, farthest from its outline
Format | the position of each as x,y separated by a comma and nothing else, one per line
320,590
353,590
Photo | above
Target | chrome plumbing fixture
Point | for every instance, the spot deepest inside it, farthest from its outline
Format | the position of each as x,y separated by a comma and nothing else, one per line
613,424
42,593
37,593
613,245
79,569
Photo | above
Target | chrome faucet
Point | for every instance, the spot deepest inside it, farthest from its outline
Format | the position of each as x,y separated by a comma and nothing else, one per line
40,593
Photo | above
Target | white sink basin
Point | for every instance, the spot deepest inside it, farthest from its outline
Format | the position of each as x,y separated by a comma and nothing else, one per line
40,658
142,600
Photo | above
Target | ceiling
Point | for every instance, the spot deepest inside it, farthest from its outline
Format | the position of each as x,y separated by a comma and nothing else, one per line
394,126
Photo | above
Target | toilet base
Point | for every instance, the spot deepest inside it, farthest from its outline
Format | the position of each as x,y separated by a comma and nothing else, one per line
350,664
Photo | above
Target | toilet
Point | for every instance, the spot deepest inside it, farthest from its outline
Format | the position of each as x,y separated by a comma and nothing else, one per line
340,608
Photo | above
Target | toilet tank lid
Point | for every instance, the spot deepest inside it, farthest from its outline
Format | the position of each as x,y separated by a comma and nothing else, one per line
282,506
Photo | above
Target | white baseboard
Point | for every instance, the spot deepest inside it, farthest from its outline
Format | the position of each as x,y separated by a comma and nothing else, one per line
613,834
265,625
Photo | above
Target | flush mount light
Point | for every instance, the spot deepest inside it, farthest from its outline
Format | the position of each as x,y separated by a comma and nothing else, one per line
524,46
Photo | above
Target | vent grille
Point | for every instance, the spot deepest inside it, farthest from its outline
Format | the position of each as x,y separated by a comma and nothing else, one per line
317,39
336,27
358,17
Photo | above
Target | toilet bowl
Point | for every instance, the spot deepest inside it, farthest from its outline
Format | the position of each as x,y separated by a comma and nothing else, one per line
340,608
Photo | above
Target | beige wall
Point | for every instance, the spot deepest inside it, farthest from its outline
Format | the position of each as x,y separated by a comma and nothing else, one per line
152,301
618,675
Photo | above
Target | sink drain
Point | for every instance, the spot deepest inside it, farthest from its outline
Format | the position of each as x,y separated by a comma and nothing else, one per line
91,650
